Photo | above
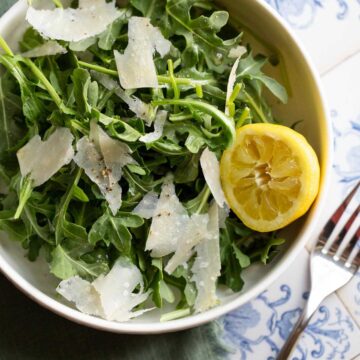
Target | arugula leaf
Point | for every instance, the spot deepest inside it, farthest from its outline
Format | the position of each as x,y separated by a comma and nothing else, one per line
201,35
223,120
189,289
161,290
15,229
82,80
108,38
117,127
64,266
188,169
150,8
114,230
30,40
10,108
250,68
32,107
63,227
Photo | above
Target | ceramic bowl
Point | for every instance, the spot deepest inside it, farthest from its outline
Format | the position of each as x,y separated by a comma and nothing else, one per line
306,103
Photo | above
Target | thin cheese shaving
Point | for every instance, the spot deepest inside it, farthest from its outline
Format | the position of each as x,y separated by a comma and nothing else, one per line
237,52
111,296
194,232
207,265
142,110
91,18
83,294
159,123
43,159
230,85
211,170
103,158
147,206
49,48
136,66
169,220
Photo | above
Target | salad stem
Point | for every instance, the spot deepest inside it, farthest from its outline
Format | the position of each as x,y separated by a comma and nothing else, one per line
253,104
222,118
39,74
58,4
177,314
26,189
5,46
163,79
172,79
204,200
98,68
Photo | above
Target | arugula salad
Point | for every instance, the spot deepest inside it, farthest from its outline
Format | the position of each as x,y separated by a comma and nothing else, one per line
113,121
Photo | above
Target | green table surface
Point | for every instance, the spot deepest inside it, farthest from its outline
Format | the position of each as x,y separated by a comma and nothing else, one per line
27,331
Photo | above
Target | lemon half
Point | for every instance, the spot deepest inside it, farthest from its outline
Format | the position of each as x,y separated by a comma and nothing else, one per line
270,176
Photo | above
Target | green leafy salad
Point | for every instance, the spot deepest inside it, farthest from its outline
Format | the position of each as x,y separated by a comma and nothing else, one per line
113,121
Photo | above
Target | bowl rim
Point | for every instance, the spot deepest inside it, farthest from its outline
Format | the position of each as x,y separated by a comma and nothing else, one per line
214,313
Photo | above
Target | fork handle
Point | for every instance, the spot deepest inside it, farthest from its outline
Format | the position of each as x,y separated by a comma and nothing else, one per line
297,331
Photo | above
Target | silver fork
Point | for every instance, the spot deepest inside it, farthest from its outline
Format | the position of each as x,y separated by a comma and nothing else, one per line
333,262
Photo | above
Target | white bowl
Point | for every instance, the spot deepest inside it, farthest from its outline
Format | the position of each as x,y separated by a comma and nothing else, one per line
306,103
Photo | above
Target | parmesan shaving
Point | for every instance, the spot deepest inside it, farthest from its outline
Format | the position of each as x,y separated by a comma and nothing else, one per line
91,18
211,170
207,265
193,233
136,66
111,296
237,52
169,220
83,294
43,159
103,158
230,85
147,206
116,290
49,48
142,110
159,123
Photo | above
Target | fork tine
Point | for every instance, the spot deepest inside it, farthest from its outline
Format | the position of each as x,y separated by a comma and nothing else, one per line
332,228
348,233
353,258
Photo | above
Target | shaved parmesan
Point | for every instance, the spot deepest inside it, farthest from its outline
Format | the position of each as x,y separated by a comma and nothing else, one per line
43,159
193,233
47,49
111,296
230,85
169,220
136,66
207,265
83,44
91,18
147,206
211,170
115,153
83,294
103,158
142,110
237,52
116,290
159,123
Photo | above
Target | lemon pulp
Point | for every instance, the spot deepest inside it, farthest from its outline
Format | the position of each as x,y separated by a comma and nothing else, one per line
270,176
